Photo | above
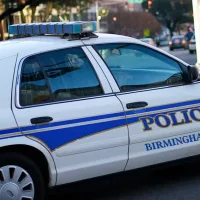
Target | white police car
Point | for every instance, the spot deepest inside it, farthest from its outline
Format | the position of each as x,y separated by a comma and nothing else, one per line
77,104
192,45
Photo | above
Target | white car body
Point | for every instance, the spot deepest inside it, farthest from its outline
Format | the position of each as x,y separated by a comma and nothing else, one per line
119,146
192,44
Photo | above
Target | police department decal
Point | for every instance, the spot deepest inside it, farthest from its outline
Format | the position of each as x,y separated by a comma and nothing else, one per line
171,119
172,142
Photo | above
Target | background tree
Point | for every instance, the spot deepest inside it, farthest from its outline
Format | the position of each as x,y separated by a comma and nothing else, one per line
135,25
13,6
170,12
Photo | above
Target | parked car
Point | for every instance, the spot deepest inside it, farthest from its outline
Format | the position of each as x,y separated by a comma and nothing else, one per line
76,104
177,42
148,41
192,45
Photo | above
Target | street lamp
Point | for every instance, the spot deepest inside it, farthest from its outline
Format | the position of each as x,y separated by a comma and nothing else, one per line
149,3
97,15
105,2
103,11
114,23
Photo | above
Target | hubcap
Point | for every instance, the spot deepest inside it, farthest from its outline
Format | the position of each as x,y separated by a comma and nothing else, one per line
15,184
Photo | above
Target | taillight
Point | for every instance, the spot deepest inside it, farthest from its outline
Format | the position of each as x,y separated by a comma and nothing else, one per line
177,41
183,42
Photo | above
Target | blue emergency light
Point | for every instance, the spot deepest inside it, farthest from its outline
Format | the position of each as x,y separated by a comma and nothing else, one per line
53,28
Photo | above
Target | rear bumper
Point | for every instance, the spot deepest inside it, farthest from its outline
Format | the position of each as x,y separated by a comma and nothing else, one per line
177,46
192,47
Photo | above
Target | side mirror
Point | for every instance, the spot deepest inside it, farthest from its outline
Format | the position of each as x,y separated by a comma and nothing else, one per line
193,73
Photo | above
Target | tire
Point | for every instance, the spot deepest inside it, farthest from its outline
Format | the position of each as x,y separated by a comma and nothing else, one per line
191,51
171,49
27,170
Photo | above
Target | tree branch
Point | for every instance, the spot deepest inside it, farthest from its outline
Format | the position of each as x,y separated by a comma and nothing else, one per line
20,7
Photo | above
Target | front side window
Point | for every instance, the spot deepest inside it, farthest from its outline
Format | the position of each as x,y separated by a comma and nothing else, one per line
137,67
33,86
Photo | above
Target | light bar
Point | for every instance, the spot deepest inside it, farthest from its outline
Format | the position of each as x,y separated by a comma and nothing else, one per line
53,28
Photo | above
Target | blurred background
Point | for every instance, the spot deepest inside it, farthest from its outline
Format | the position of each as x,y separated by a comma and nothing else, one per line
158,19
168,24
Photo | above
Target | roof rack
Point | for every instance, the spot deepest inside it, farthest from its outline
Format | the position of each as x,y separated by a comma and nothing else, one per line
70,30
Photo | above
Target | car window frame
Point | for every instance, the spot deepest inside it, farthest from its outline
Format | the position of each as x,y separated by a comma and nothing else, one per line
45,78
19,73
181,65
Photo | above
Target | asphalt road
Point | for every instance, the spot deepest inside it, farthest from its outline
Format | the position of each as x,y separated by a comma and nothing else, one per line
181,182
182,54
172,183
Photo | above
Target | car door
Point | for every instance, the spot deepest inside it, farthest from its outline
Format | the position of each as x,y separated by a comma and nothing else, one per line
162,108
64,101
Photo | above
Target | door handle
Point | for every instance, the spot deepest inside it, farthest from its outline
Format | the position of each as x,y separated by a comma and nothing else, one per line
139,104
41,120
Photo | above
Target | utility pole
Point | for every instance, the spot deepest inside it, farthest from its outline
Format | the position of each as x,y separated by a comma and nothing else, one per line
2,30
97,15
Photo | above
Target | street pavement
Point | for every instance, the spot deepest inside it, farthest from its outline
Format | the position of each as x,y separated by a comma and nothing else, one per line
182,54
181,182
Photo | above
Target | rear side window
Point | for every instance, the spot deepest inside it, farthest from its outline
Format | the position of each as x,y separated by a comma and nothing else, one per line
33,86
57,76
70,74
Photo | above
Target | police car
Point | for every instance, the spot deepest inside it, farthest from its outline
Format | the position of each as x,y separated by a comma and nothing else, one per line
192,45
76,104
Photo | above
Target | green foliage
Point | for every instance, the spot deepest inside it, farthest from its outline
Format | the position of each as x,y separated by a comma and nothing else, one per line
103,12
171,13
13,6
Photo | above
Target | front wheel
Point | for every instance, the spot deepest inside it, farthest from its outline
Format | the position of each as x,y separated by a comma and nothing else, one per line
20,178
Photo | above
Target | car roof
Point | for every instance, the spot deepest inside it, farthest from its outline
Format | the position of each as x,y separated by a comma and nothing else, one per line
24,47
38,43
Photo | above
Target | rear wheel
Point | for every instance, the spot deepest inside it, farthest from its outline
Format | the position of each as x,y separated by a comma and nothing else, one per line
171,49
20,178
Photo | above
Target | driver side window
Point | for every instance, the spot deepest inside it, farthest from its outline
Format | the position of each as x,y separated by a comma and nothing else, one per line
137,67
